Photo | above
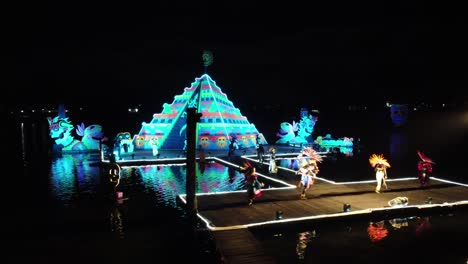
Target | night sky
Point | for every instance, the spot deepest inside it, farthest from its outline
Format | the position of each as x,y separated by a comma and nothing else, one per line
321,52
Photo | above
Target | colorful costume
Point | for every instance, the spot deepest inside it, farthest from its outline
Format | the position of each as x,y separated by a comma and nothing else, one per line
380,164
154,145
308,170
252,183
272,167
424,169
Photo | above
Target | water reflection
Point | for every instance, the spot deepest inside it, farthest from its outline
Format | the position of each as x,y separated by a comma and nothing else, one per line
377,231
422,225
303,240
364,242
71,174
116,220
398,223
169,181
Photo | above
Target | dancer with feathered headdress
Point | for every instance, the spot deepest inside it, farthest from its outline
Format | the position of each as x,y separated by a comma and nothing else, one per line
308,170
380,165
424,169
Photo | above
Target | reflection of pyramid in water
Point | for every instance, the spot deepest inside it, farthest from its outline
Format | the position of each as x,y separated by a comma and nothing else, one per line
220,121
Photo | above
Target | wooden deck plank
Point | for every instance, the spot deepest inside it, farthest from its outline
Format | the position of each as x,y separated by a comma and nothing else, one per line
239,245
324,198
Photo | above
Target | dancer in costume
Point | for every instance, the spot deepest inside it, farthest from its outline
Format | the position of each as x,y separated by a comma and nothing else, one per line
308,171
154,145
380,165
252,183
424,169
232,147
272,167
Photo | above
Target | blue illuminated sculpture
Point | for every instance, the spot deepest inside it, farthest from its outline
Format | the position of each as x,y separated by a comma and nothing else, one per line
287,133
61,129
301,134
304,129
399,114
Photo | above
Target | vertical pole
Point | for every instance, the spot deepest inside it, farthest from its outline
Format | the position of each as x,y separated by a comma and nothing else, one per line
192,119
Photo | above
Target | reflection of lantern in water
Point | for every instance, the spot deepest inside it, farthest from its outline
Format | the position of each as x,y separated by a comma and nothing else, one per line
302,240
63,177
423,225
377,231
399,114
398,223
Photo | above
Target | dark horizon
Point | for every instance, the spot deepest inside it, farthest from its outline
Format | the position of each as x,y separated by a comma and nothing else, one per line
64,53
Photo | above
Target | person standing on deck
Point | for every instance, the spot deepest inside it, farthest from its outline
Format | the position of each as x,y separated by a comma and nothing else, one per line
154,145
259,148
232,147
272,167
307,179
424,169
308,171
260,153
252,183
380,165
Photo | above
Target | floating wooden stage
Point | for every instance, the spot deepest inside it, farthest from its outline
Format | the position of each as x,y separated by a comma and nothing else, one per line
230,218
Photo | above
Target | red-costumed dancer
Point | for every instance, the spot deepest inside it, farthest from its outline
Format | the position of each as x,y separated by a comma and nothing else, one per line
424,169
252,183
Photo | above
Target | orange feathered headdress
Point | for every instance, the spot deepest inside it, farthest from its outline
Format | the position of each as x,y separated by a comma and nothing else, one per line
375,159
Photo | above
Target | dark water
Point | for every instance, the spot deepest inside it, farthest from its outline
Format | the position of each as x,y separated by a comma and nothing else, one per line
416,239
58,209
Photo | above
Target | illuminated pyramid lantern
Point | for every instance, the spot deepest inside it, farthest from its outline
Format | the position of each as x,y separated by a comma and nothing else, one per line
220,121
